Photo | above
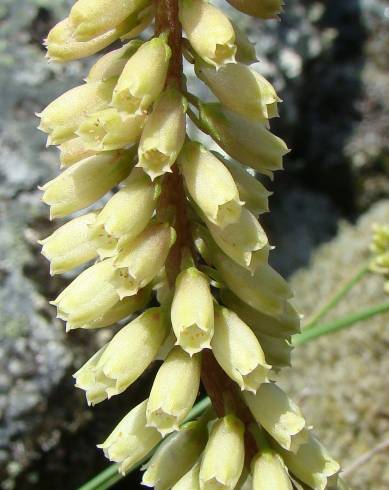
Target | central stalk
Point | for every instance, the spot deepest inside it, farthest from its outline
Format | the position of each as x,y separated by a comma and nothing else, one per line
222,391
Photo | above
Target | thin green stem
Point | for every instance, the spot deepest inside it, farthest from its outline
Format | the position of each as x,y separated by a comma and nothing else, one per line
340,323
337,296
108,477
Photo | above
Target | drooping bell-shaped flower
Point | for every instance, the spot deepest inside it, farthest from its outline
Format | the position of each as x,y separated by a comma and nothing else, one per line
238,351
143,77
131,440
210,184
174,391
223,458
118,364
163,134
192,311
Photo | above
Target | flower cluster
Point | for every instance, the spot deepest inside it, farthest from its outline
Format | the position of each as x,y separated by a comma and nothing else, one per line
380,250
180,232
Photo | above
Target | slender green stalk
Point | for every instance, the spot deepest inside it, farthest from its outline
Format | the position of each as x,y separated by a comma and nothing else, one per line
337,296
340,323
108,477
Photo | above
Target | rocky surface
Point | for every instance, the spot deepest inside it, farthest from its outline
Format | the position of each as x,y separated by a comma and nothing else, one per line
328,60
341,380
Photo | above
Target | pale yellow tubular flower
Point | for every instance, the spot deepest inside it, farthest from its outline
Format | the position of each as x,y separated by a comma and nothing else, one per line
129,210
174,391
72,244
143,77
242,240
163,134
258,101
312,464
252,192
286,324
243,139
72,151
264,290
62,46
223,458
210,184
238,352
61,117
91,18
192,311
190,481
209,31
131,440
278,415
175,456
121,310
380,249
92,293
270,472
264,9
109,130
145,255
86,182
120,363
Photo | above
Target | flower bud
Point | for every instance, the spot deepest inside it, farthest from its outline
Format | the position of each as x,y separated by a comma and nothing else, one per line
244,241
92,294
62,46
223,459
264,9
192,311
119,364
108,130
174,391
131,440
278,415
247,141
252,192
286,324
163,134
121,310
190,481
311,464
269,471
112,64
86,182
145,255
72,244
91,18
72,151
238,351
210,184
129,211
175,456
264,290
62,116
143,77
209,31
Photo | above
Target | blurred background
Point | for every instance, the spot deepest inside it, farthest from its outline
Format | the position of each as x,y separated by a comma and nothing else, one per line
329,62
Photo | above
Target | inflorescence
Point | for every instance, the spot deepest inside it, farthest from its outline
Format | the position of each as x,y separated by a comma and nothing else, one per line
178,256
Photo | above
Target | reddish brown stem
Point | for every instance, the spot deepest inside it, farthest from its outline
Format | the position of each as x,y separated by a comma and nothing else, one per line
224,393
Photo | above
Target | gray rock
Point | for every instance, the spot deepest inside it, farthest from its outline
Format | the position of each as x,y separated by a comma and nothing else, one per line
341,380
